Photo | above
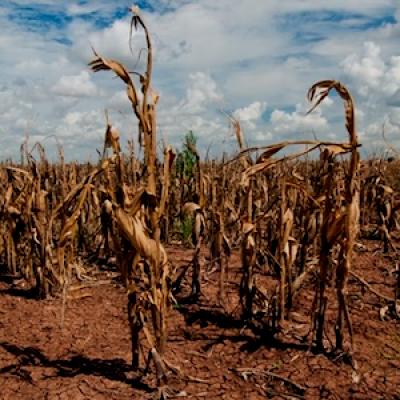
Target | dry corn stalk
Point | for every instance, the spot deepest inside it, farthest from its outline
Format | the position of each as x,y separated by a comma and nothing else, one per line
195,212
340,222
384,204
147,247
247,284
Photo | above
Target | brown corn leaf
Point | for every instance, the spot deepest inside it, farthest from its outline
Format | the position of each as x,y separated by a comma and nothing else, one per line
136,233
297,176
99,63
189,209
247,228
199,226
254,169
13,211
271,150
8,195
334,149
387,189
288,220
335,229
320,90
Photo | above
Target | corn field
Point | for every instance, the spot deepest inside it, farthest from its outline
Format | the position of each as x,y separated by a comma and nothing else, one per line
292,215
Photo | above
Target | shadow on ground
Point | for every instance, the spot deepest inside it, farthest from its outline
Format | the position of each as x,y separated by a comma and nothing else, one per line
115,369
261,336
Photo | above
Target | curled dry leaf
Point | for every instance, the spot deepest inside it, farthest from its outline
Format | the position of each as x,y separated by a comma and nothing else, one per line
335,149
12,211
189,209
320,90
134,230
387,189
99,63
297,175
248,228
199,226
270,151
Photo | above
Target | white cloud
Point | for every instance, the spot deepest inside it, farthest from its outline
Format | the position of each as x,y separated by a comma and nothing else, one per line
375,77
111,41
202,99
75,85
368,69
286,124
250,113
81,9
202,91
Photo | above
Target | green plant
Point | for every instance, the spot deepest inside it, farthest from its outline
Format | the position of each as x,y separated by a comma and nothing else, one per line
186,229
186,159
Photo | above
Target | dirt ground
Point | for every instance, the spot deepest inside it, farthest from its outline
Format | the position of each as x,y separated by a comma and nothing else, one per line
80,349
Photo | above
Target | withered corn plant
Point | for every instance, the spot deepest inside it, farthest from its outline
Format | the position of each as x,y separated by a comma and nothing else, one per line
248,258
196,214
247,289
340,218
220,248
384,202
149,274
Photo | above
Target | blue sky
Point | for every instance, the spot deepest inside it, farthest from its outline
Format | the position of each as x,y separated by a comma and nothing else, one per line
255,59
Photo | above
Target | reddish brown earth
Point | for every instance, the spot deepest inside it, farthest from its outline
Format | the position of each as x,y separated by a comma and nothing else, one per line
87,355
